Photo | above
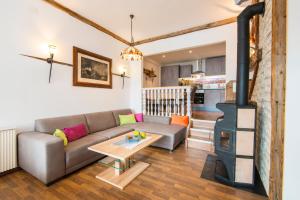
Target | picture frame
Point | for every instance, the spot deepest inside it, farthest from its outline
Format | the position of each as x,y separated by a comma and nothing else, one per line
91,69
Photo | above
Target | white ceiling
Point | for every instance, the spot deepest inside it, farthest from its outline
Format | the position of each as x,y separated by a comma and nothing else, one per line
152,17
190,54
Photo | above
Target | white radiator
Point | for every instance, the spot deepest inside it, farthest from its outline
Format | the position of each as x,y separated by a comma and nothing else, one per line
8,149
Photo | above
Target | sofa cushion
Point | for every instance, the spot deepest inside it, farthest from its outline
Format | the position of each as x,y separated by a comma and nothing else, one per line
116,114
77,151
75,132
100,121
49,125
127,119
114,132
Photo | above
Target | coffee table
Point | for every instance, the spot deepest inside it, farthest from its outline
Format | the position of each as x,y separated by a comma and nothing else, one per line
124,170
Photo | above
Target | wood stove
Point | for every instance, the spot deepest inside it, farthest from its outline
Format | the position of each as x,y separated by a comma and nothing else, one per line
234,132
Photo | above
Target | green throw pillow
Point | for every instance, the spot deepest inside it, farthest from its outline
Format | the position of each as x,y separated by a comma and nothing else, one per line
127,119
60,134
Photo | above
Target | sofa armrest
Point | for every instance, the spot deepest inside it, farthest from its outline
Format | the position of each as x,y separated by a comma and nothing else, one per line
157,119
41,155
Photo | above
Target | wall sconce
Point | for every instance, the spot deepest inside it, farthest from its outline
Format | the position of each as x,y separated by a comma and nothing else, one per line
50,60
123,75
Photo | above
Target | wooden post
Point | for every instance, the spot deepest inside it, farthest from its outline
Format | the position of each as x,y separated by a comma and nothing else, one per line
278,83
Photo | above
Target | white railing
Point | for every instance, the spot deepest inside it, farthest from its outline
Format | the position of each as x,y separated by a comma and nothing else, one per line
165,101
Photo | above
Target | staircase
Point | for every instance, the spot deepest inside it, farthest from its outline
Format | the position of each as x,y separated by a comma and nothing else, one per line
201,135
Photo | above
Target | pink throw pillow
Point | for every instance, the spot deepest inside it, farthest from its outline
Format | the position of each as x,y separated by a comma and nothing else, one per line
75,132
139,117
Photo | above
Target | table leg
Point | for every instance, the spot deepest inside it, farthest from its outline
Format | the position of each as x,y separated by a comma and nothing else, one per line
118,167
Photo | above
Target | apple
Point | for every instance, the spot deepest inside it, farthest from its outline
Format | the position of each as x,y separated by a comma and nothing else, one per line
136,133
143,135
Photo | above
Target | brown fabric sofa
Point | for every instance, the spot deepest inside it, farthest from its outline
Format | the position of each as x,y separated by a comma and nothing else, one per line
45,157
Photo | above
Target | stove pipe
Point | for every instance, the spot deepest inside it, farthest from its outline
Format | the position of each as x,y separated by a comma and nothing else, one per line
243,48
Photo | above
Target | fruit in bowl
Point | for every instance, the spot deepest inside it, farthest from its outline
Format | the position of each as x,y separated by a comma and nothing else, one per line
136,133
143,135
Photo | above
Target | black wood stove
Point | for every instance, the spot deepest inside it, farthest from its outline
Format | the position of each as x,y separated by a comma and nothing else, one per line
234,132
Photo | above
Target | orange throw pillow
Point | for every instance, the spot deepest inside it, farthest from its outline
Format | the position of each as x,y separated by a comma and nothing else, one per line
180,120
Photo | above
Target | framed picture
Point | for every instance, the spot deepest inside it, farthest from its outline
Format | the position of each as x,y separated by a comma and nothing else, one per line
91,70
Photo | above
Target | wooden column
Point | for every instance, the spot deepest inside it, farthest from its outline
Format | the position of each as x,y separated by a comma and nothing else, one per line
278,81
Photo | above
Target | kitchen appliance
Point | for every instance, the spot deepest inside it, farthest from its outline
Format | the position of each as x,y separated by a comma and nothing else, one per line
199,97
234,133
199,68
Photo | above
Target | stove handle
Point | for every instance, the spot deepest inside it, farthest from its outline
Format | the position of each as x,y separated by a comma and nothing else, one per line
220,118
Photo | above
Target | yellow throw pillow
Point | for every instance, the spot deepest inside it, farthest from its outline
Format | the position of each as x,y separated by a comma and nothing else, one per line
60,134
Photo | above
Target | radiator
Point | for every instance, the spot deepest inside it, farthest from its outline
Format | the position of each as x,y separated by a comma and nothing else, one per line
8,149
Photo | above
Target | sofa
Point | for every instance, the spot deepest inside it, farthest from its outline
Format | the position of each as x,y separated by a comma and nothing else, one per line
46,158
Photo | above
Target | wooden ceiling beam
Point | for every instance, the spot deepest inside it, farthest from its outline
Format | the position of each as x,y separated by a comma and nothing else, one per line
86,20
152,39
189,30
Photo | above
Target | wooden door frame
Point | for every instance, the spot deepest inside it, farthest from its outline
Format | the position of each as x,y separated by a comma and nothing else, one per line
278,82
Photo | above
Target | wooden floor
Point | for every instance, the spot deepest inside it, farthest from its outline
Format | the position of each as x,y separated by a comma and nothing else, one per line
205,115
170,176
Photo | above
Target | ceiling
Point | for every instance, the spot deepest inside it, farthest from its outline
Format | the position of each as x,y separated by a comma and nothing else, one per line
189,54
152,18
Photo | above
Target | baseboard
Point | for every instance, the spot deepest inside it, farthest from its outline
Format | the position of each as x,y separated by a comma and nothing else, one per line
10,171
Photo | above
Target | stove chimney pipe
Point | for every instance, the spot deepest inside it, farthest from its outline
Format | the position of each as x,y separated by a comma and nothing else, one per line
243,48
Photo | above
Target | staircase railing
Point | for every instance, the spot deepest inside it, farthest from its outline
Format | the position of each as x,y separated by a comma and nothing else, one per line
165,101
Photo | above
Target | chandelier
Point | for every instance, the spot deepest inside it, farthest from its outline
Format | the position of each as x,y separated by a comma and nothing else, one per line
131,53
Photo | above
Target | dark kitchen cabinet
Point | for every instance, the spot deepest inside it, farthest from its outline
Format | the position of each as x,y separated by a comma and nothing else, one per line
185,71
215,66
169,75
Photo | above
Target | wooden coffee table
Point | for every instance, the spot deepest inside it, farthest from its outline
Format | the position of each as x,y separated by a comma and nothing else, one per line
124,171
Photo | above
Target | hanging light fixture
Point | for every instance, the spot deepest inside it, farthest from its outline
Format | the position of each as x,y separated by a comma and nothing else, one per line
131,53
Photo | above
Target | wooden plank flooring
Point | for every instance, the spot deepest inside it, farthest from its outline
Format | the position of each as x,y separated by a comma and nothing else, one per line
170,176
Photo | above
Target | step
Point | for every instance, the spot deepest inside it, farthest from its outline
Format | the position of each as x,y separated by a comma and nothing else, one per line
203,132
203,123
200,143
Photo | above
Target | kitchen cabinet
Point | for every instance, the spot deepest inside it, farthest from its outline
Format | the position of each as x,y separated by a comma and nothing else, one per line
212,97
169,75
215,66
185,71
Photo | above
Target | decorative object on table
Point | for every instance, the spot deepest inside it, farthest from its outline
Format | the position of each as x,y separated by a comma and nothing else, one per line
150,74
133,139
131,53
91,70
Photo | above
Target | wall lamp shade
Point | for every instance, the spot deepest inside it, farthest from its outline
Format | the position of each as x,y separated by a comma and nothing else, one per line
52,49
131,53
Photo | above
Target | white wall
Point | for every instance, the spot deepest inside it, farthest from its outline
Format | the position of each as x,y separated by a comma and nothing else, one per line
292,136
26,27
136,84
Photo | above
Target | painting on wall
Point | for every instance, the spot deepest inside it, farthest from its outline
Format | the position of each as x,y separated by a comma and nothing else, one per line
91,70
